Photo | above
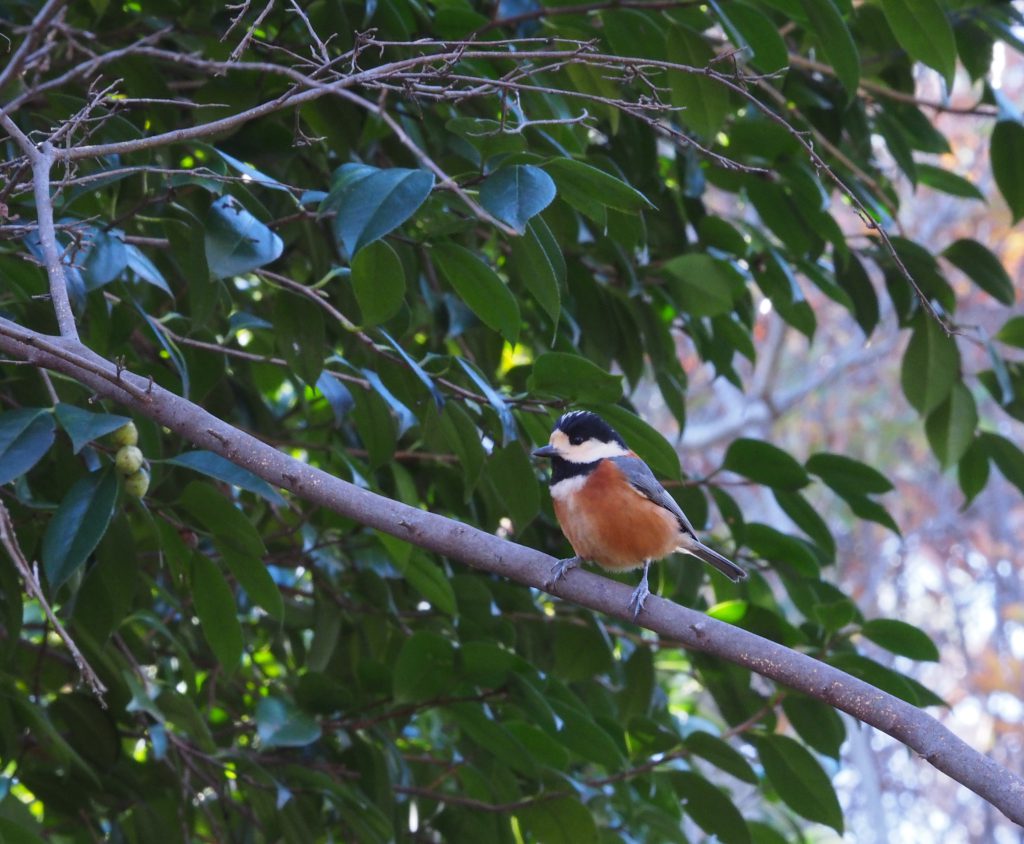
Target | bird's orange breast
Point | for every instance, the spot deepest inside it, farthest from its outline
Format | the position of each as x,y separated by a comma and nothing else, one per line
609,522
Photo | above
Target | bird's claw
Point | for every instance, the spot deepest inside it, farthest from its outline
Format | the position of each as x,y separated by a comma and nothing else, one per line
638,598
559,569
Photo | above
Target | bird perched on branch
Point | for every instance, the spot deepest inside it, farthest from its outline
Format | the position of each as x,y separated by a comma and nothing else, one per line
612,509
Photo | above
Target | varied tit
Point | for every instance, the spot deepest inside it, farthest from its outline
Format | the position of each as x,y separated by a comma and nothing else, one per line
612,509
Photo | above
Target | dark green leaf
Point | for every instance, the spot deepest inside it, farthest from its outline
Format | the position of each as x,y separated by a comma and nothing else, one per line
480,288
1012,332
512,474
517,193
236,242
1007,456
215,606
982,267
561,821
765,464
78,525
853,278
378,280
478,723
799,780
901,638
538,264
224,470
923,30
279,723
107,257
371,202
760,35
778,547
846,475
835,40
1007,155
806,517
26,435
703,286
652,447
424,668
721,755
950,427
705,102
574,377
227,523
972,471
300,334
582,185
947,182
710,809
817,723
931,365
82,426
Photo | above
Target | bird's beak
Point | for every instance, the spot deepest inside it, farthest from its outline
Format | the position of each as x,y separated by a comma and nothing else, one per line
545,451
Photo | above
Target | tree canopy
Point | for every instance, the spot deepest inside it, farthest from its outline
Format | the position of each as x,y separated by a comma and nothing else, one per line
393,241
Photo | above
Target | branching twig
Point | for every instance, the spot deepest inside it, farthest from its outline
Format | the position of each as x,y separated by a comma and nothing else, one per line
28,574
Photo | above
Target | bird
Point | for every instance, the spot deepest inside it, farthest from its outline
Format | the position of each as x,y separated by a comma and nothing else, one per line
612,508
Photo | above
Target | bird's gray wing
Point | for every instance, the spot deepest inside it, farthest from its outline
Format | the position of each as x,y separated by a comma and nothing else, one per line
642,479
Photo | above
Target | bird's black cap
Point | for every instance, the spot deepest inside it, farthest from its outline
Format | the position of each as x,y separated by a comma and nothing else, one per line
588,426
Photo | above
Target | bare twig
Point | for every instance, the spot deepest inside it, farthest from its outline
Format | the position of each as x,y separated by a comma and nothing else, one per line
34,590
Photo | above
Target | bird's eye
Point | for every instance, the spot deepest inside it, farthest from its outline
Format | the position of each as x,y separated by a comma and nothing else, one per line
575,439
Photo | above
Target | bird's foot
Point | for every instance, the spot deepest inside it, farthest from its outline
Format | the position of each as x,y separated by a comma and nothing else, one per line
559,569
640,594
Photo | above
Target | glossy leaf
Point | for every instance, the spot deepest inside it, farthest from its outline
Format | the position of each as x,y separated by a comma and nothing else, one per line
538,264
705,101
923,30
1012,332
78,525
26,435
765,464
236,242
581,184
931,365
82,426
424,667
370,203
901,638
1007,155
799,780
281,724
836,42
982,267
480,288
517,193
947,182
702,285
378,280
950,427
223,469
574,377
215,607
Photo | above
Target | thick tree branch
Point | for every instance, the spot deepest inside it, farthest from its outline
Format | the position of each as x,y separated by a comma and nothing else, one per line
486,552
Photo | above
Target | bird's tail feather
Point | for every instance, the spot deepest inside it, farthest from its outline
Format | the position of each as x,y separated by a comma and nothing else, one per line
713,558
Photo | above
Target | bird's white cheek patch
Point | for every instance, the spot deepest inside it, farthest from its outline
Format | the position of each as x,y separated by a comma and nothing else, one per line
564,488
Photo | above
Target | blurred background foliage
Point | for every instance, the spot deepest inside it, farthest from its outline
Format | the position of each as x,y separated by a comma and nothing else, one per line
767,247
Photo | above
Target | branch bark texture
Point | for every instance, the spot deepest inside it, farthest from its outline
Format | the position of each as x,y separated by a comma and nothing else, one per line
904,722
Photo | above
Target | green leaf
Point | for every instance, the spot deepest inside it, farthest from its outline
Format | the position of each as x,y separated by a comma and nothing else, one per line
82,426
370,202
702,285
1012,332
922,29
223,469
807,518
215,607
510,470
752,26
478,723
78,525
106,258
236,242
517,193
538,264
253,577
854,279
705,101
799,780
847,476
300,334
981,267
817,723
835,41
765,464
1007,155
574,377
424,668
931,365
1009,459
582,185
585,738
581,651
778,547
480,288
26,435
649,443
950,427
230,527
430,580
946,181
901,638
972,471
279,723
709,808
886,679
721,755
378,281
561,821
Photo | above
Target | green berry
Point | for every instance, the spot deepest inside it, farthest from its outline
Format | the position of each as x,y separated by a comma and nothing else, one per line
127,434
137,484
128,460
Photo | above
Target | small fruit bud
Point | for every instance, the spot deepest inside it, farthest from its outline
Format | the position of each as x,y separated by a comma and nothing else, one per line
128,460
127,434
137,485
